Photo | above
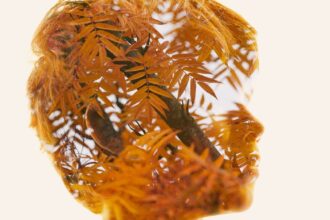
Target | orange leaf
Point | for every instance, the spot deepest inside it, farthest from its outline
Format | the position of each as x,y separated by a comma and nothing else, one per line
102,18
136,76
193,90
176,78
105,99
122,81
155,21
197,70
102,55
135,69
202,100
112,48
203,78
160,91
155,81
84,32
138,96
207,88
184,56
158,100
108,27
205,53
111,37
88,44
209,107
153,30
231,83
138,84
165,140
220,72
93,54
157,136
235,78
153,70
78,12
80,21
107,87
157,107
183,85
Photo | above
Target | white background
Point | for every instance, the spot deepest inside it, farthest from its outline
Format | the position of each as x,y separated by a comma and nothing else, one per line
291,99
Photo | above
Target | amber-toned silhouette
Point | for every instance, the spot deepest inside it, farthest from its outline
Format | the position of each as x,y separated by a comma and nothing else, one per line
122,97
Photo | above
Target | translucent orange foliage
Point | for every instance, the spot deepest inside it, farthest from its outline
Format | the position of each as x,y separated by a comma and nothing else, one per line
110,96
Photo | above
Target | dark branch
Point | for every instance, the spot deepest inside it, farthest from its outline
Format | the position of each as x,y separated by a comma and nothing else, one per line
104,134
178,118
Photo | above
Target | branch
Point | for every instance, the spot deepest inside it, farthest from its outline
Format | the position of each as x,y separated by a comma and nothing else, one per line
179,119
103,132
176,117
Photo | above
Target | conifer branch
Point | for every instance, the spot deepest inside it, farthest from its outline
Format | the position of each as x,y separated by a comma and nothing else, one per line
178,118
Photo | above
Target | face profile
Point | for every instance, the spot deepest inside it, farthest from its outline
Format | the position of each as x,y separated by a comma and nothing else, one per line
143,106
